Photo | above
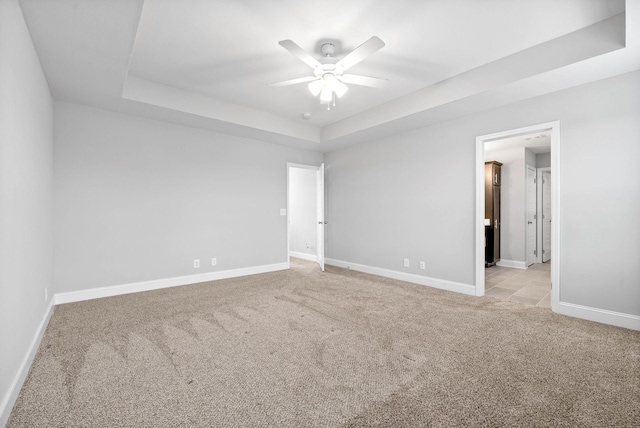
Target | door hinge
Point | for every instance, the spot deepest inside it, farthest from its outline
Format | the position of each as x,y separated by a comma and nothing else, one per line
535,216
535,252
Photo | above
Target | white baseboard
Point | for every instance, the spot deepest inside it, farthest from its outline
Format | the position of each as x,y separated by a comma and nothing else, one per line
14,389
512,264
304,256
598,315
135,287
408,277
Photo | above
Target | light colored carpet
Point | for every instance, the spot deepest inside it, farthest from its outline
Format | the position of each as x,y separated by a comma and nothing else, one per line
303,348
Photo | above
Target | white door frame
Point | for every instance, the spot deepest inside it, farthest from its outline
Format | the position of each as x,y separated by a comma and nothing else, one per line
527,234
289,166
554,129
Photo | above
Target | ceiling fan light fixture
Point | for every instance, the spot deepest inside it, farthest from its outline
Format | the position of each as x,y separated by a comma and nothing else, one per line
316,87
340,88
326,95
328,74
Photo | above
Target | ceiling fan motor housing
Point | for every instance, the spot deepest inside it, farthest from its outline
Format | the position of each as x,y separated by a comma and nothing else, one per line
327,49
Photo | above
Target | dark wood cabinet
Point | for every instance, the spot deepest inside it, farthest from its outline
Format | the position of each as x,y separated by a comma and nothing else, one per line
492,182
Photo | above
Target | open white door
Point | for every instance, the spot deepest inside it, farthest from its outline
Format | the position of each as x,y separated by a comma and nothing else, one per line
321,221
546,216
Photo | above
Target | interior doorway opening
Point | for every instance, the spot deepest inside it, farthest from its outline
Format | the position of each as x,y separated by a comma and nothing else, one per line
520,225
305,212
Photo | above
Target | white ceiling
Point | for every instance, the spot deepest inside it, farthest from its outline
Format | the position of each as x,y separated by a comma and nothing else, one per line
208,63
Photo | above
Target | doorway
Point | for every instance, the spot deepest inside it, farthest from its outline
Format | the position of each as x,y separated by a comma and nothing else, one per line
305,212
530,234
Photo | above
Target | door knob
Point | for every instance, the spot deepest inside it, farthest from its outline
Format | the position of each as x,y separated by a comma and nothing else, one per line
529,222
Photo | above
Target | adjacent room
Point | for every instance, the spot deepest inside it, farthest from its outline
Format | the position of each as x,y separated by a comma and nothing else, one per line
296,213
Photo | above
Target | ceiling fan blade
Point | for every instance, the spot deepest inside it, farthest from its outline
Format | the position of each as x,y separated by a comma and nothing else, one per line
374,82
372,45
293,81
300,53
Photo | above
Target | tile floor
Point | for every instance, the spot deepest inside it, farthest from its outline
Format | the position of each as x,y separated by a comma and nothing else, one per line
531,286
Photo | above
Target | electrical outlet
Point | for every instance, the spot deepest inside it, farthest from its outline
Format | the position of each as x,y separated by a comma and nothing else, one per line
196,263
214,261
406,263
423,265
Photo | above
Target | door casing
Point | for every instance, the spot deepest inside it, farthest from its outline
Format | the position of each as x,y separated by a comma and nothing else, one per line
531,247
554,129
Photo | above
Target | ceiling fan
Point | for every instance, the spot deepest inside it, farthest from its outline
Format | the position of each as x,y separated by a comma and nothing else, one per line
329,78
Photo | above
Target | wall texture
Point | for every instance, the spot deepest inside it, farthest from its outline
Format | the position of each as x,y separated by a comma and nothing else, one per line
139,200
26,199
413,195
303,213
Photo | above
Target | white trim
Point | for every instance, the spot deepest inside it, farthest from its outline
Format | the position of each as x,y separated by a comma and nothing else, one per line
11,396
304,256
516,264
556,235
554,128
603,316
442,284
136,287
480,227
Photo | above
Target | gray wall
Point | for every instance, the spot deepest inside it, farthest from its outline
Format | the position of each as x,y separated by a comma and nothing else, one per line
138,199
529,159
303,213
543,160
413,195
406,196
26,196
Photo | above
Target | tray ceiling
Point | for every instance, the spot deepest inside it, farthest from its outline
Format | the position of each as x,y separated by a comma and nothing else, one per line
207,64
